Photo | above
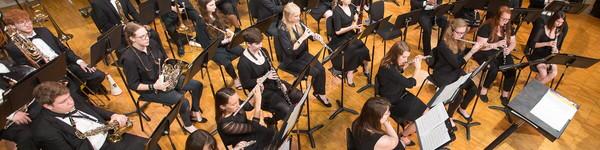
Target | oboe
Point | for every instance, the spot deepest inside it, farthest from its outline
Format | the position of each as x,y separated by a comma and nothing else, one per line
507,38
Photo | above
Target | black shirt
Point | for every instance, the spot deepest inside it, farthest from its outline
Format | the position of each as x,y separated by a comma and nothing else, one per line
448,66
392,82
142,67
485,32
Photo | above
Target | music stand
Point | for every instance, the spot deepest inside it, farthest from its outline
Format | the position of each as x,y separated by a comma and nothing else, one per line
163,129
208,53
340,51
370,29
309,129
164,7
442,9
524,105
262,25
291,120
407,19
147,13
525,14
570,60
109,41
469,4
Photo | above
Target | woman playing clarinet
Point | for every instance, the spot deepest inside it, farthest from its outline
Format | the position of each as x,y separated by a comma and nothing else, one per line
545,43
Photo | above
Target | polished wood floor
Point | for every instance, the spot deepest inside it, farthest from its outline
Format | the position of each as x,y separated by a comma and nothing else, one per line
579,85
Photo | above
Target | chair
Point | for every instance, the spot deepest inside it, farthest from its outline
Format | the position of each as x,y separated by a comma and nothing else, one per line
430,63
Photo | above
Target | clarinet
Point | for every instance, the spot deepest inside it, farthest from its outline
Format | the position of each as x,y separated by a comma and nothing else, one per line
507,38
556,31
279,83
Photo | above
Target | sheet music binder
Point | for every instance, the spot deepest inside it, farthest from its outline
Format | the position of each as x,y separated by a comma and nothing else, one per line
432,128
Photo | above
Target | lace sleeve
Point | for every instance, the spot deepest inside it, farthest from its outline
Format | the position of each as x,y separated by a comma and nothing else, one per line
238,128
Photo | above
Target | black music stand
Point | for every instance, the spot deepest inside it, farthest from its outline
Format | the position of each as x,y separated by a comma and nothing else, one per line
262,25
469,4
522,106
365,34
164,7
147,13
525,14
163,129
291,121
407,19
573,8
340,52
309,130
203,59
571,60
108,42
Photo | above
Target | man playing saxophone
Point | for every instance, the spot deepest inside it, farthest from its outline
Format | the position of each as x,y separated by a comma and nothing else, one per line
63,118
38,46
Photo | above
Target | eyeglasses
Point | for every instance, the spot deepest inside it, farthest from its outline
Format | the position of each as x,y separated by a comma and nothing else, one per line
144,36
460,33
24,22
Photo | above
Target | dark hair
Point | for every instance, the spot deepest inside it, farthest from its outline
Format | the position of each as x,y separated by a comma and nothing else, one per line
557,15
395,51
46,92
371,113
495,22
222,98
253,35
13,16
218,20
198,139
130,29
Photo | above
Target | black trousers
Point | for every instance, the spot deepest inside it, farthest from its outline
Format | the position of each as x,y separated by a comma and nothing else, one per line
509,75
463,100
427,20
20,134
93,79
173,96
128,141
224,56
317,72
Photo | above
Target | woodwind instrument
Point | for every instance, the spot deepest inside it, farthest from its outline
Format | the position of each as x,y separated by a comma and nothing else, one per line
279,83
413,60
251,94
555,48
507,38
225,32
467,41
320,40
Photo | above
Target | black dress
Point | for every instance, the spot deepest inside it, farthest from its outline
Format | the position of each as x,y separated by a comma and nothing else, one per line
447,69
273,99
366,140
356,52
294,60
542,52
392,85
234,129
224,55
481,56
318,12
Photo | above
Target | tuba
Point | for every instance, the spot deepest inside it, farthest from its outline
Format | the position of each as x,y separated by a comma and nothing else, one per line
114,126
30,51
171,70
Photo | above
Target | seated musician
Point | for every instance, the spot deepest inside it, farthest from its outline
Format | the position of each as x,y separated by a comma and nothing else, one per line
253,66
171,21
49,47
392,85
545,43
236,129
323,10
66,123
372,129
142,63
427,19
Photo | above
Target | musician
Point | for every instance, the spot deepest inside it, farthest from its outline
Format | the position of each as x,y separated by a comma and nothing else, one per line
291,47
62,116
345,27
108,13
392,85
50,47
142,62
206,35
262,9
367,130
236,129
449,58
253,66
496,35
544,44
427,18
200,140
324,10
171,21
229,10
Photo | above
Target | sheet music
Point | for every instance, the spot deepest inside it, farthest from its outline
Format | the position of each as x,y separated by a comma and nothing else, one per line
432,129
449,90
291,121
554,109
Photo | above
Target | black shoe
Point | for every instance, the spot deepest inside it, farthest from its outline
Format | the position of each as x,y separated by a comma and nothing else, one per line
484,98
180,51
204,120
322,101
270,121
464,116
411,143
367,74
504,100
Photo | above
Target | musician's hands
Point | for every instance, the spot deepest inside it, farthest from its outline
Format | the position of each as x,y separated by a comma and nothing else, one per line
160,84
272,75
122,119
417,61
84,67
258,94
317,37
241,145
551,43
431,2
174,8
555,50
506,51
21,118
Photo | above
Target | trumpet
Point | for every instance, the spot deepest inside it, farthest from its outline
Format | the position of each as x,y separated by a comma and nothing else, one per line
320,40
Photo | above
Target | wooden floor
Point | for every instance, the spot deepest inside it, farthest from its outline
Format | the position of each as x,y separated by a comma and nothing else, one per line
579,85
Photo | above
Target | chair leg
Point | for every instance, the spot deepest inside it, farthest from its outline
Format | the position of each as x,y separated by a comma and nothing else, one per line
422,84
222,75
139,111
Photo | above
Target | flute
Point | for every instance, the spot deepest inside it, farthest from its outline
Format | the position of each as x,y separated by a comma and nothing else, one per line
263,79
227,33
413,60
467,41
320,40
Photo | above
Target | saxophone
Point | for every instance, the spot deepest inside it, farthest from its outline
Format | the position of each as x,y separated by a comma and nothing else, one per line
114,126
30,51
171,70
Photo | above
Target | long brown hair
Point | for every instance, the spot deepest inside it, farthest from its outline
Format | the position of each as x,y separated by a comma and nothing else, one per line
288,10
454,45
200,138
130,29
218,21
390,59
495,24
222,98
371,113
551,21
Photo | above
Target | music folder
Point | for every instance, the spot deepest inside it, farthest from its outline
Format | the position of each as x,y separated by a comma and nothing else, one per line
432,128
291,120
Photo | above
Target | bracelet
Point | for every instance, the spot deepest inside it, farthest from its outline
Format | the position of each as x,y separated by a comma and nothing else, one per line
151,87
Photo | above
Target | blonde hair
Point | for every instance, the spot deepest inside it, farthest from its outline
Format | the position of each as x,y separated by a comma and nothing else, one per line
453,44
288,10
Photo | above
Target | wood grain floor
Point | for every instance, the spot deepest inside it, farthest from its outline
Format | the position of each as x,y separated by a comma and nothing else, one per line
579,85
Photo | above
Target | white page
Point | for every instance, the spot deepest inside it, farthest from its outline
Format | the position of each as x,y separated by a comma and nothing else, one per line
437,137
449,90
554,110
433,118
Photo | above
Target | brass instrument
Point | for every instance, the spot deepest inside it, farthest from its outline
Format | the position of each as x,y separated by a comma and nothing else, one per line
30,51
121,12
114,126
62,36
182,28
320,40
171,70
39,13
22,109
